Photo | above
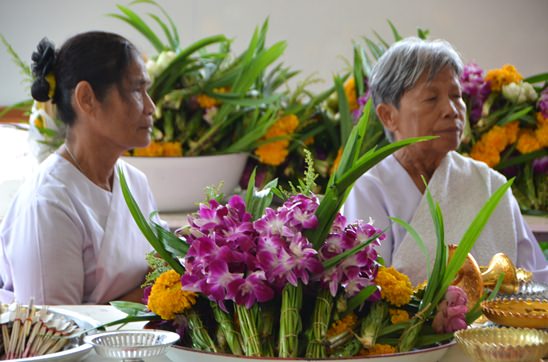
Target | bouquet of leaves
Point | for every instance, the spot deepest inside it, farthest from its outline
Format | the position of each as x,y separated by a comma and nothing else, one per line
325,122
209,100
507,128
240,276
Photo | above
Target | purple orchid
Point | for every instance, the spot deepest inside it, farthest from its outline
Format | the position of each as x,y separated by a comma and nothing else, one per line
543,103
474,89
357,271
540,165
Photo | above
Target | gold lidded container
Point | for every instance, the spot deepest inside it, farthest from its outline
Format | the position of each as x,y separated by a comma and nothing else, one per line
503,344
517,312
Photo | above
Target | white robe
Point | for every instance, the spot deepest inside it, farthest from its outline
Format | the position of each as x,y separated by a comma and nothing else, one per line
461,186
65,240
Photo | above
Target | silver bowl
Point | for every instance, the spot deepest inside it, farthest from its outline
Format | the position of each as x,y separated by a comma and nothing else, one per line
130,345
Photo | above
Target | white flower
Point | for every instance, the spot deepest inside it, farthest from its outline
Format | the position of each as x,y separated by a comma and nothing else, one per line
210,114
156,67
519,92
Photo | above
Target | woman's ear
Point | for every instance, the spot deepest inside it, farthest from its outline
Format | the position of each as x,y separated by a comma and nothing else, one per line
84,99
388,116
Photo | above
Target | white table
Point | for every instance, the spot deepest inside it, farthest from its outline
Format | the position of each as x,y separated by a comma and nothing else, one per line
104,314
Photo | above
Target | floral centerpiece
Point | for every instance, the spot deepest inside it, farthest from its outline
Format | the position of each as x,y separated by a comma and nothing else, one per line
508,128
240,277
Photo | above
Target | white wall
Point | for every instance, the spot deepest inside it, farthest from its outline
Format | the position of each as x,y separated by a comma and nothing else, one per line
319,32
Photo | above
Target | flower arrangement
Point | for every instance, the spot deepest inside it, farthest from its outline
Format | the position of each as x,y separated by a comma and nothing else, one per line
209,100
239,277
508,128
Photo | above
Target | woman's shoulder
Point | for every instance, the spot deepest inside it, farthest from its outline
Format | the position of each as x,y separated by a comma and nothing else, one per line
470,166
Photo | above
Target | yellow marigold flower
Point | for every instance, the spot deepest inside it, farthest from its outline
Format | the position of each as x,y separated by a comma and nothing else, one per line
172,149
338,327
378,349
39,121
482,152
527,141
274,153
542,135
350,91
512,130
336,162
505,75
541,121
395,287
496,138
167,297
206,101
398,315
154,149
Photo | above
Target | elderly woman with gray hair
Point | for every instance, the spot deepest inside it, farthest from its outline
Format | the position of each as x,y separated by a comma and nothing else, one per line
416,92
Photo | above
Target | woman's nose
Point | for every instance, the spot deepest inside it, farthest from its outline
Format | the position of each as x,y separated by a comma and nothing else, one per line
150,107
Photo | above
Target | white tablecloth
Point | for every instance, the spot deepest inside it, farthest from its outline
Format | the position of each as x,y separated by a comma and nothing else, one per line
104,314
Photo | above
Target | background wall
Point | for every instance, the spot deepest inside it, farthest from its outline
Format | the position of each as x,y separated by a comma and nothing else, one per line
319,32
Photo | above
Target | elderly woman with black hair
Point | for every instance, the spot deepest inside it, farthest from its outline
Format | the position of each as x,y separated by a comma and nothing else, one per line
68,237
416,92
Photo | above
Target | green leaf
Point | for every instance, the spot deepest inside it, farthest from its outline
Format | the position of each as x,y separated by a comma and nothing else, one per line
145,228
330,263
543,77
359,298
415,235
469,238
522,159
136,22
130,308
172,42
515,115
395,33
344,111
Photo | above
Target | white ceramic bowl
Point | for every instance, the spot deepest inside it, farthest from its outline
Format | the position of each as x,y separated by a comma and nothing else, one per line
178,183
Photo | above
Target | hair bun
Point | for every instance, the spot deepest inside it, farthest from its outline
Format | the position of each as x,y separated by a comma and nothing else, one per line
42,64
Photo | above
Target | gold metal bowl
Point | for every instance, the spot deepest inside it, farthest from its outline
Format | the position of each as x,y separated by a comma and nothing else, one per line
519,313
503,344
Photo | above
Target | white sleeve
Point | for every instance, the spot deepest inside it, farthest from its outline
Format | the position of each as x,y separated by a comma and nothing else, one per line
47,261
530,255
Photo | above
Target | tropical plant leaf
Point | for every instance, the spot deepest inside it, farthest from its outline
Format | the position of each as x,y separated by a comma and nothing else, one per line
395,33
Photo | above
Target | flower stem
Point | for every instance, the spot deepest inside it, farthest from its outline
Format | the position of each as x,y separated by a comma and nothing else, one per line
248,327
320,322
372,323
233,338
290,321
266,329
409,337
200,337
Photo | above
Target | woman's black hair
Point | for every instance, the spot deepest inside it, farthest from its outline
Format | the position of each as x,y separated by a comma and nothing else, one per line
100,58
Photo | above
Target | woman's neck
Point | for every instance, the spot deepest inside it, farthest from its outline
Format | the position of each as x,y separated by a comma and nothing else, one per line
417,165
94,161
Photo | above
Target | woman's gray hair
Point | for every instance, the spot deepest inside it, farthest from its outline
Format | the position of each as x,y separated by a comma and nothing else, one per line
401,66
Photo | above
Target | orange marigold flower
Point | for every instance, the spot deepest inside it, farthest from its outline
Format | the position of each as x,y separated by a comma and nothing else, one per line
172,149
398,315
167,296
275,152
542,135
505,75
527,141
350,91
395,287
482,152
541,121
308,141
154,149
205,101
496,138
378,349
336,162
512,130
342,325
